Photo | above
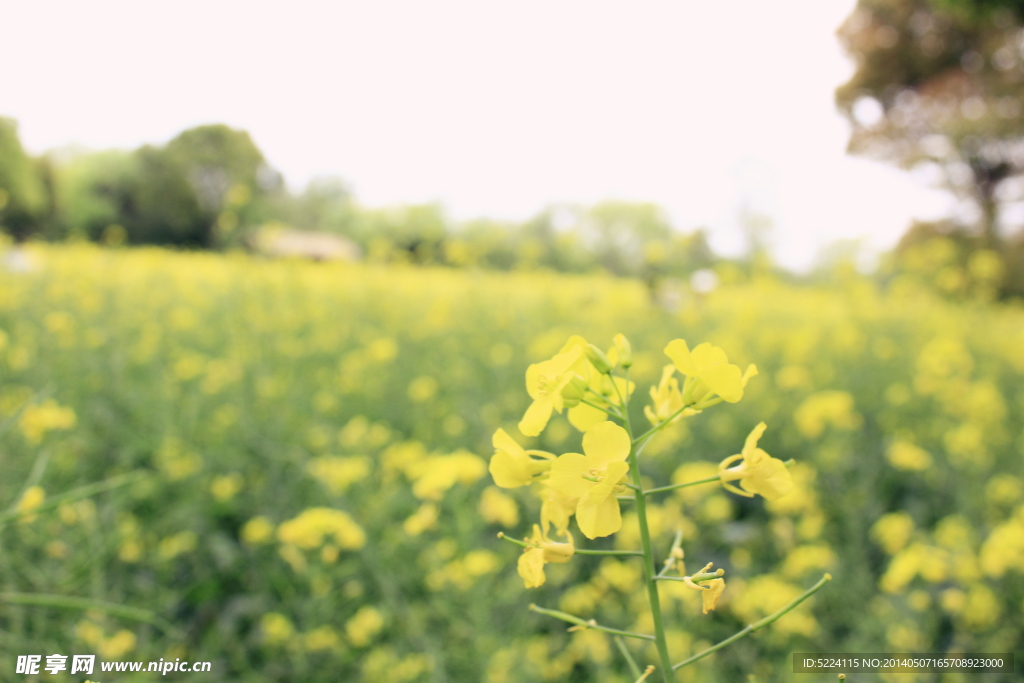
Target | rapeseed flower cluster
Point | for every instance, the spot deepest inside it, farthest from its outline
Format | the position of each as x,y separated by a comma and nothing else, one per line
588,486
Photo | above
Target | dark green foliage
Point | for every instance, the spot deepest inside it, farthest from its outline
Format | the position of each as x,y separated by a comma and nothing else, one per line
23,194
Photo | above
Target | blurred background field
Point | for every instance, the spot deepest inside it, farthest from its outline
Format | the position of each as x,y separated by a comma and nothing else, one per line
261,393
301,373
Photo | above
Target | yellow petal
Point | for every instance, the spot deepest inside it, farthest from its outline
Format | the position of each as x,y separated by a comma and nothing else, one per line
567,474
598,511
537,416
616,471
559,553
714,591
681,357
750,445
583,417
604,443
725,380
751,372
509,472
556,509
531,567
706,356
580,365
770,478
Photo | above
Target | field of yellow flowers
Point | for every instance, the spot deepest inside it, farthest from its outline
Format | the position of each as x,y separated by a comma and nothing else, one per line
282,468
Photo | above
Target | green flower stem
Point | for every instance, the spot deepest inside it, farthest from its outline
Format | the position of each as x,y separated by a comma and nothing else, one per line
670,562
628,499
708,480
696,578
753,627
75,494
565,616
673,487
501,535
603,410
579,551
630,662
661,425
645,543
634,553
113,609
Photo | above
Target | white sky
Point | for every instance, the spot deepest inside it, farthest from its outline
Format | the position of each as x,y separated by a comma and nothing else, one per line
492,108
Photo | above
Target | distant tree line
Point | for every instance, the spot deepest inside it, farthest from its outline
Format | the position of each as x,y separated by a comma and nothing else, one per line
211,187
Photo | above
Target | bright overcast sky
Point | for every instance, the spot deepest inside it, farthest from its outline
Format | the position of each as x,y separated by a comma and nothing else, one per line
491,108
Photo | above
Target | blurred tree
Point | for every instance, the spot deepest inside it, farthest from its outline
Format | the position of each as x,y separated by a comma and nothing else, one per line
24,200
198,190
90,190
938,87
326,204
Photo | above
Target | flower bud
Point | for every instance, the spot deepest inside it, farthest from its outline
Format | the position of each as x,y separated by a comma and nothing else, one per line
574,391
599,360
625,350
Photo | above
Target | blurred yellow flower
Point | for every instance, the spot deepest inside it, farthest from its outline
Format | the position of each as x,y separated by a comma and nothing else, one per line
759,473
30,501
225,487
276,627
364,626
257,531
118,645
594,478
36,420
498,508
906,456
893,530
311,528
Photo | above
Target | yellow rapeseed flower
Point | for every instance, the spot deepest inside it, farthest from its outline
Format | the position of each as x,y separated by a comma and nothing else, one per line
556,508
511,465
666,399
758,473
313,527
594,478
708,373
30,501
710,596
544,383
542,550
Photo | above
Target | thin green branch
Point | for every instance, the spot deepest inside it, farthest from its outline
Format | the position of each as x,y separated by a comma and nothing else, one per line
564,616
661,425
696,578
707,480
630,662
673,487
624,553
753,627
603,410
670,562
579,551
75,494
113,609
